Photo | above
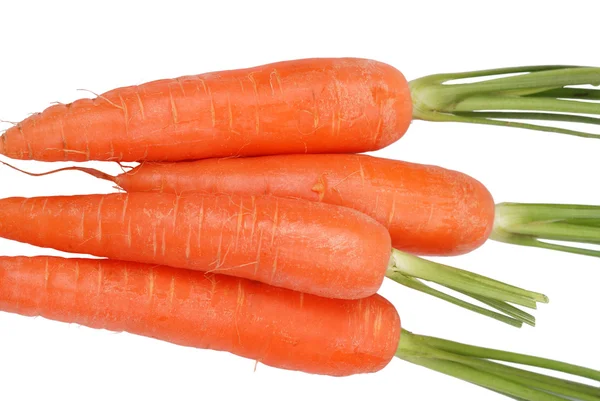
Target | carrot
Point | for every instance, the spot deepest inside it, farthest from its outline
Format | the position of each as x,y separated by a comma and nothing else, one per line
310,247
219,312
327,105
274,326
428,210
288,107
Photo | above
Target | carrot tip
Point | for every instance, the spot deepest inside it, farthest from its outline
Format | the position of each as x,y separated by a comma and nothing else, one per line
91,171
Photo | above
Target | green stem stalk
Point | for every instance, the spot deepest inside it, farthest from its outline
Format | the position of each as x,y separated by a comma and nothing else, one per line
532,224
547,89
559,231
525,103
570,93
410,270
504,307
539,381
530,116
477,365
483,379
505,356
418,285
452,277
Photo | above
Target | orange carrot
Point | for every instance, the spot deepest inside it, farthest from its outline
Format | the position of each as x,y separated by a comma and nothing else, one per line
289,107
311,247
274,326
326,105
219,312
428,210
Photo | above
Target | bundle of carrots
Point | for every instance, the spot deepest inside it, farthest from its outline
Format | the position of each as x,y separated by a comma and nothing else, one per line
252,226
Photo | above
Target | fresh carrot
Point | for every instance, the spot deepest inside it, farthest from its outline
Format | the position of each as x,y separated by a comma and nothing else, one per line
428,210
311,247
274,326
327,105
245,317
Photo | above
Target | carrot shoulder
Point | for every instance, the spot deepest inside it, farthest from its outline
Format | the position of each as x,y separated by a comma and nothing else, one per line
300,106
306,246
274,326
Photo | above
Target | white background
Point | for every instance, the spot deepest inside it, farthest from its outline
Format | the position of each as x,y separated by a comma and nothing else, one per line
50,49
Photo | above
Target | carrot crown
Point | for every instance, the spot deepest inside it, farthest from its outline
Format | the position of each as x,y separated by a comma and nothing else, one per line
536,93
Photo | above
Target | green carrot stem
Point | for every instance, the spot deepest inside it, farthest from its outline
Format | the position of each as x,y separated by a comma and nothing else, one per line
559,231
570,93
538,381
490,102
542,382
529,116
530,224
493,72
507,213
420,286
584,222
568,249
546,89
483,379
504,307
505,356
409,270
554,78
463,280
524,240
476,365
447,117
547,79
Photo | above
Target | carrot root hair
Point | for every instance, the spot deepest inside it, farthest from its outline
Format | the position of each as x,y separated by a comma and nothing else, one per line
102,97
124,167
14,124
91,171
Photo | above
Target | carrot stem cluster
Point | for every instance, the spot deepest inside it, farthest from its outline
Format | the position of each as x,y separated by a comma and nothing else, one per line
477,365
537,224
410,270
535,93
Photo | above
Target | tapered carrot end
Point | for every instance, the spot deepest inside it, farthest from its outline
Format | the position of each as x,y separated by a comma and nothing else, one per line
12,142
91,171
3,138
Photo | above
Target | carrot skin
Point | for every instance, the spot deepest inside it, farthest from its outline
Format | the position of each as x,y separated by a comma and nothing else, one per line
428,210
329,105
274,326
306,246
